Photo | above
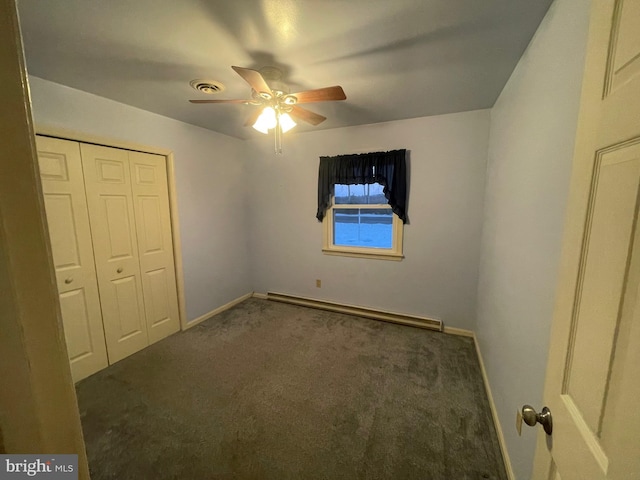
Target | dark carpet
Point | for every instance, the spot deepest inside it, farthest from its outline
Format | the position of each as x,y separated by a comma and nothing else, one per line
273,391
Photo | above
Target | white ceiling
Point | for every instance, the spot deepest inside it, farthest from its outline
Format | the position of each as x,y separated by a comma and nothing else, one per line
395,59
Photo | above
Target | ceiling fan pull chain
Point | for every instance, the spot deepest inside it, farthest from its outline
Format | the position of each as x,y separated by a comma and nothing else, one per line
278,138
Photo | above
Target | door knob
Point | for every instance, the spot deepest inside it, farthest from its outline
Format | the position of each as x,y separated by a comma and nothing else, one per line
531,417
119,270
68,280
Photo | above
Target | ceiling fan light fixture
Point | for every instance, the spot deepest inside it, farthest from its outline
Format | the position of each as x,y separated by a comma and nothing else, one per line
266,121
289,100
260,128
276,104
286,122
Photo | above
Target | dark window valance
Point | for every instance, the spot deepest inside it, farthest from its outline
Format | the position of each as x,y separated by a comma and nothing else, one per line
386,168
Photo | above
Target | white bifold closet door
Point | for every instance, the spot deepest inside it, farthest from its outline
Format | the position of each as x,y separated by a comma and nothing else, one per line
129,210
110,228
110,200
155,243
70,235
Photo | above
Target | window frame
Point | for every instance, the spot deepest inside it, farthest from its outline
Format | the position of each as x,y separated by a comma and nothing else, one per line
329,248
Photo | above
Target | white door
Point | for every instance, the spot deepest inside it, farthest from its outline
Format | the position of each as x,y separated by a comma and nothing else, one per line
108,185
70,235
593,375
155,245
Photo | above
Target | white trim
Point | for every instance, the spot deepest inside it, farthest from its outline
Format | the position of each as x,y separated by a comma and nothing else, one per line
329,248
218,310
376,314
66,134
262,296
177,242
461,332
346,252
494,414
38,406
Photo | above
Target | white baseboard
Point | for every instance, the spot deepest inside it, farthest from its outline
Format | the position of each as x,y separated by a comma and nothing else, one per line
262,296
494,413
461,332
216,311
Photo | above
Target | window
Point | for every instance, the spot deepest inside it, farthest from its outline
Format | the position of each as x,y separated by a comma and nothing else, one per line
361,202
361,222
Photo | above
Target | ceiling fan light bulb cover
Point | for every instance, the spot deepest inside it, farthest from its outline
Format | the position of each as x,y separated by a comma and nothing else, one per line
269,115
266,121
286,122
260,128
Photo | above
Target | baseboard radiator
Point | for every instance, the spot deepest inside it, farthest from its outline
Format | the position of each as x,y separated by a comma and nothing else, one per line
401,318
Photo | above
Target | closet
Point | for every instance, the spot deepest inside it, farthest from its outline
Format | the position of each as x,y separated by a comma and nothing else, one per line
110,230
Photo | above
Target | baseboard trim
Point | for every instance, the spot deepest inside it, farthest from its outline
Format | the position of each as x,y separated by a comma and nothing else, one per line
494,413
461,332
262,296
387,316
216,311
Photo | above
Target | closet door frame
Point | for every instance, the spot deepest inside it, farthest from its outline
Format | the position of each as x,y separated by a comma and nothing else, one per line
66,134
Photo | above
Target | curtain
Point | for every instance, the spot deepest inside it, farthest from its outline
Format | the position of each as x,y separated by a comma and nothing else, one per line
386,168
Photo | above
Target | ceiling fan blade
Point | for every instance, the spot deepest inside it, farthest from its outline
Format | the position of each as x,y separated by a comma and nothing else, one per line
253,117
254,78
220,101
327,94
307,115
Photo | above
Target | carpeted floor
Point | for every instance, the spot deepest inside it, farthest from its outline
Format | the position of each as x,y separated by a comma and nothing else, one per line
273,391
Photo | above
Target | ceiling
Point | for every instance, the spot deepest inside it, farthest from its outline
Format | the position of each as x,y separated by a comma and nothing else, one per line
395,59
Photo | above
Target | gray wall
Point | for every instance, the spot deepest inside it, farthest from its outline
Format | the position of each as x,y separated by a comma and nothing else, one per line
533,127
439,275
210,184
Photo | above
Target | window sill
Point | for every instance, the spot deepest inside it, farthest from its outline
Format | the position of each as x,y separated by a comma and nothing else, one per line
363,254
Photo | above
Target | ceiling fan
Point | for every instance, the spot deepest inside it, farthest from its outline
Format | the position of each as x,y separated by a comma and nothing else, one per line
277,107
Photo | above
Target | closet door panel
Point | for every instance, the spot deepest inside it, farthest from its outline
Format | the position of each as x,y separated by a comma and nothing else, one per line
73,256
119,244
73,304
108,185
155,245
126,308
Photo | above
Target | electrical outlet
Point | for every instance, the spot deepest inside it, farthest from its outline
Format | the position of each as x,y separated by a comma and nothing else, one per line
519,422
319,283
